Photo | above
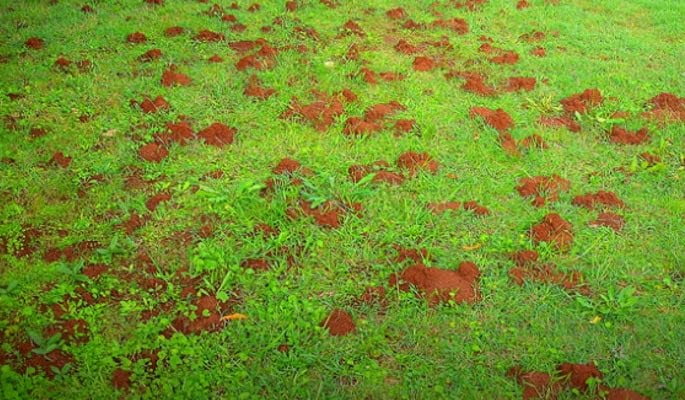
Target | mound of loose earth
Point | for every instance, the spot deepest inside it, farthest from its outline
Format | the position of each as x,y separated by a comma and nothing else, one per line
438,285
554,230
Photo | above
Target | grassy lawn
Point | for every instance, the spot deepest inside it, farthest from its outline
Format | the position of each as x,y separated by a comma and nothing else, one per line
342,199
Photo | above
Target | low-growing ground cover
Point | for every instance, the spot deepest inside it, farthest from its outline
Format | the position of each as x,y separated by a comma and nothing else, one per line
342,199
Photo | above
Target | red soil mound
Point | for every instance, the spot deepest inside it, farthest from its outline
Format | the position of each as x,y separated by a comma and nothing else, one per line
423,63
352,28
577,375
477,209
322,112
46,363
153,152
522,4
255,89
152,106
290,166
136,37
403,126
72,331
379,168
651,159
339,323
60,159
215,59
172,78
355,126
623,394
150,55
498,119
457,25
555,230
475,83
536,385
439,208
528,269
209,36
610,220
414,162
257,264
601,198
379,112
505,57
208,317
121,379
327,215
582,102
667,106
405,47
415,255
396,13
94,271
440,285
71,253
538,51
34,43
622,136
173,31
519,83
155,200
534,141
543,188
558,122
217,134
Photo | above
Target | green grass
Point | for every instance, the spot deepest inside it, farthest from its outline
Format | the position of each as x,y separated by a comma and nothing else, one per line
630,50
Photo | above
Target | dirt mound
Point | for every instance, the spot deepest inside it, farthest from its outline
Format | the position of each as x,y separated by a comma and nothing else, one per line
373,120
577,375
136,37
667,107
208,317
528,269
379,112
380,171
72,252
609,220
60,160
34,43
152,106
150,55
257,264
207,36
505,57
414,162
174,31
554,230
520,84
290,166
339,323
415,255
423,64
457,25
543,189
121,379
534,141
171,77
94,271
536,385
72,331
396,13
153,152
322,112
477,209
582,102
440,208
440,285
601,198
255,89
474,83
329,214
405,47
47,363
215,59
498,119
650,159
155,200
217,134
560,121
619,135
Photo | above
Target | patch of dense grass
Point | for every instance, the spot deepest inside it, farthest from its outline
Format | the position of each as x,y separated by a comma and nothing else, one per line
66,254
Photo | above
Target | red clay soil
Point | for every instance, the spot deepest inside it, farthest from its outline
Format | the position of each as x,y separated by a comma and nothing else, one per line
322,112
522,4
215,59
34,43
475,83
180,132
457,25
153,152
152,106
172,78
288,166
599,199
538,51
134,222
554,230
667,106
609,220
505,57
355,126
72,252
173,31
121,379
415,255
62,63
619,135
257,264
536,385
207,317
582,102
577,375
155,200
352,28
72,331
93,271
623,394
54,359
534,141
264,58
528,269
217,134
438,285
519,84
403,126
498,119
255,89
543,189
396,13
291,5
373,295
508,143
379,112
60,160
651,159
423,64
440,208
136,37
150,55
476,208
405,47
339,323
37,132
379,168
328,214
209,36
413,162
560,121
